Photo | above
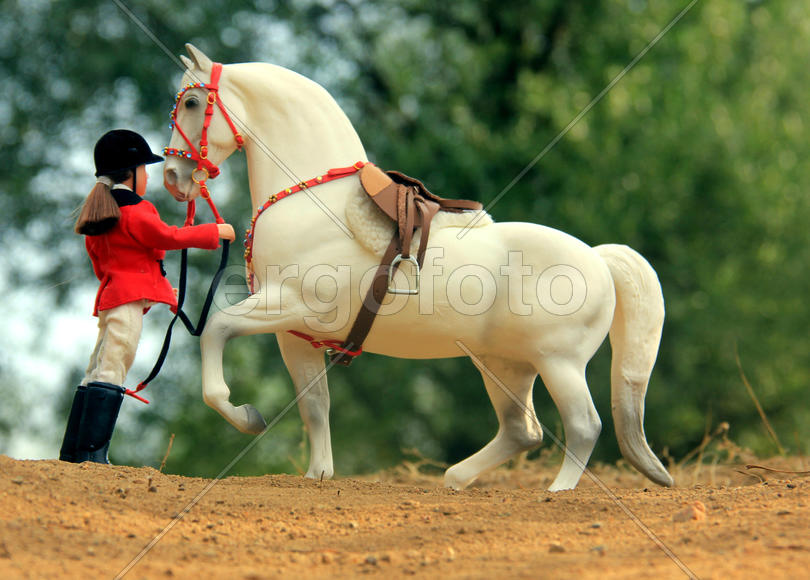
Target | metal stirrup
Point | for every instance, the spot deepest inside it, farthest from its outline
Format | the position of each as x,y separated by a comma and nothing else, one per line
392,268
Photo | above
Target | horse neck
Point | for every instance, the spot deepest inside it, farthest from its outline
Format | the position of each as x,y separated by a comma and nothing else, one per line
296,131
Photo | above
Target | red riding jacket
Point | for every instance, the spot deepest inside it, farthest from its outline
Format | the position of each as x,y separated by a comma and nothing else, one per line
127,259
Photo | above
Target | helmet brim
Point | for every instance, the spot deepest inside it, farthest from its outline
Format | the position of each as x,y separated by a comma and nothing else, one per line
154,159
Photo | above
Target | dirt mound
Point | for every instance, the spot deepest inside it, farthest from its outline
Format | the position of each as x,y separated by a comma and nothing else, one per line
61,520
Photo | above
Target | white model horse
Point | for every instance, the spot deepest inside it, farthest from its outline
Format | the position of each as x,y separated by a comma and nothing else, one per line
520,299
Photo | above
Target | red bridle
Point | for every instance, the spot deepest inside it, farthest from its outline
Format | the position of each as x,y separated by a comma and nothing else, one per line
200,155
210,170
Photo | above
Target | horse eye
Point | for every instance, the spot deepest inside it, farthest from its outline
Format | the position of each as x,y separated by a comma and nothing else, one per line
192,102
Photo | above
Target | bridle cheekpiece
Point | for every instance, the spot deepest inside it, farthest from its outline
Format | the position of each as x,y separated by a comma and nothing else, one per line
200,154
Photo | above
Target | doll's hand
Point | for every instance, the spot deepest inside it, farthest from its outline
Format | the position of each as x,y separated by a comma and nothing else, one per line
176,292
226,232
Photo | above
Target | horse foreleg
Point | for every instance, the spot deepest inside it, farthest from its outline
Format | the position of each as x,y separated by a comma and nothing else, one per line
221,327
308,372
509,386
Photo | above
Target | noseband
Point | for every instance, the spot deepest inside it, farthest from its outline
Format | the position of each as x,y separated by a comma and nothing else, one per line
205,167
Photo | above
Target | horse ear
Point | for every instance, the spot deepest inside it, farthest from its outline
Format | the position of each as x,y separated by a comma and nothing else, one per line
200,61
187,62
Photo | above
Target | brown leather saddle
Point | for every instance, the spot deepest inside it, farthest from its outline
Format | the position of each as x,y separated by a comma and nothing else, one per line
410,205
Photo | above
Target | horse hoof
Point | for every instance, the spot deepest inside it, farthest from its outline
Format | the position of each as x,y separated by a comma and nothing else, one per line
320,474
254,422
453,481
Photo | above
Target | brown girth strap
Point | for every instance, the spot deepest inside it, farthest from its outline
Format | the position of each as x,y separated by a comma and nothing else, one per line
409,203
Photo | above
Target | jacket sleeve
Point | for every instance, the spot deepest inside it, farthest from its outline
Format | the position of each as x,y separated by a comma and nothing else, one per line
146,226
93,258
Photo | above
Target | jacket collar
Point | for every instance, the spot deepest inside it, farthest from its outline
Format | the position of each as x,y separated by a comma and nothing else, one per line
126,197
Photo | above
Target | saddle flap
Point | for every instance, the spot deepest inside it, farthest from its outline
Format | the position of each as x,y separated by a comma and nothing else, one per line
380,188
374,179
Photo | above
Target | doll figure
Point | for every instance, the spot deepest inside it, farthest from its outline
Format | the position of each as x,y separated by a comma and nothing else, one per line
126,241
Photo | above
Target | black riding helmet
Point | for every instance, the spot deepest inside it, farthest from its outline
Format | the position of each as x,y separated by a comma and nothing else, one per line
121,149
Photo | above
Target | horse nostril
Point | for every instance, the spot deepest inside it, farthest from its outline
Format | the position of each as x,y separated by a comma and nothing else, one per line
170,175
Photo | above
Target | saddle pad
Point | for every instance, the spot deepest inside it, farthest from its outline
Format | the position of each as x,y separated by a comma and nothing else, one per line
373,228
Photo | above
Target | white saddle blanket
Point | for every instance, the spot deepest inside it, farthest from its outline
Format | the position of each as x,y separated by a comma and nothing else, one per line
374,230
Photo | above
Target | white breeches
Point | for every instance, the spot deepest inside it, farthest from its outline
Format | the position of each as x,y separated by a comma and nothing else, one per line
119,330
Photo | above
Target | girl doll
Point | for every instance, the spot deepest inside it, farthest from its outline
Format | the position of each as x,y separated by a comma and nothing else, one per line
126,241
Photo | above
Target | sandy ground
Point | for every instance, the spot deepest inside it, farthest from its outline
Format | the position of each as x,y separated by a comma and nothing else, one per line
62,520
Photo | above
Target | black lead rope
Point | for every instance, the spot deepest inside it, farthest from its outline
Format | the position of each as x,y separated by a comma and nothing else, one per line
209,299
181,297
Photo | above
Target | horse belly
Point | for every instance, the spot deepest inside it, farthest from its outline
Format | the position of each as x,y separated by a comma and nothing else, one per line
515,290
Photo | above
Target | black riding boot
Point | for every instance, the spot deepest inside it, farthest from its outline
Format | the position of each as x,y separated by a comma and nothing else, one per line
101,406
68,452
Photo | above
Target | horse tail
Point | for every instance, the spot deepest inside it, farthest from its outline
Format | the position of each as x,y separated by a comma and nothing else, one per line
634,338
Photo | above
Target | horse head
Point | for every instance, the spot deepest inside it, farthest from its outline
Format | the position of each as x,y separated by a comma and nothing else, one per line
204,129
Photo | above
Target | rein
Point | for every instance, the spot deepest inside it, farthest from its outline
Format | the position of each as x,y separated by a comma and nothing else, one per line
332,346
192,329
208,170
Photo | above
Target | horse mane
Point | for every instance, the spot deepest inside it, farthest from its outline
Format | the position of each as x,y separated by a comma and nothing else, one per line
283,86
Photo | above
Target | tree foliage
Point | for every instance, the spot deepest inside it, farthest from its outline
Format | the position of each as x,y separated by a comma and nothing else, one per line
694,157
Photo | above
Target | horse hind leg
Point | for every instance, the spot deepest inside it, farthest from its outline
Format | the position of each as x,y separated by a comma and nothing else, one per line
308,371
509,386
565,382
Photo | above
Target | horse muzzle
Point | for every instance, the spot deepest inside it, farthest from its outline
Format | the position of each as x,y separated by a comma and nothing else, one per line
170,180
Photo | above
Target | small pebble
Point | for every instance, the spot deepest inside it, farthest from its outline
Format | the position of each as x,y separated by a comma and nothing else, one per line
693,511
556,548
